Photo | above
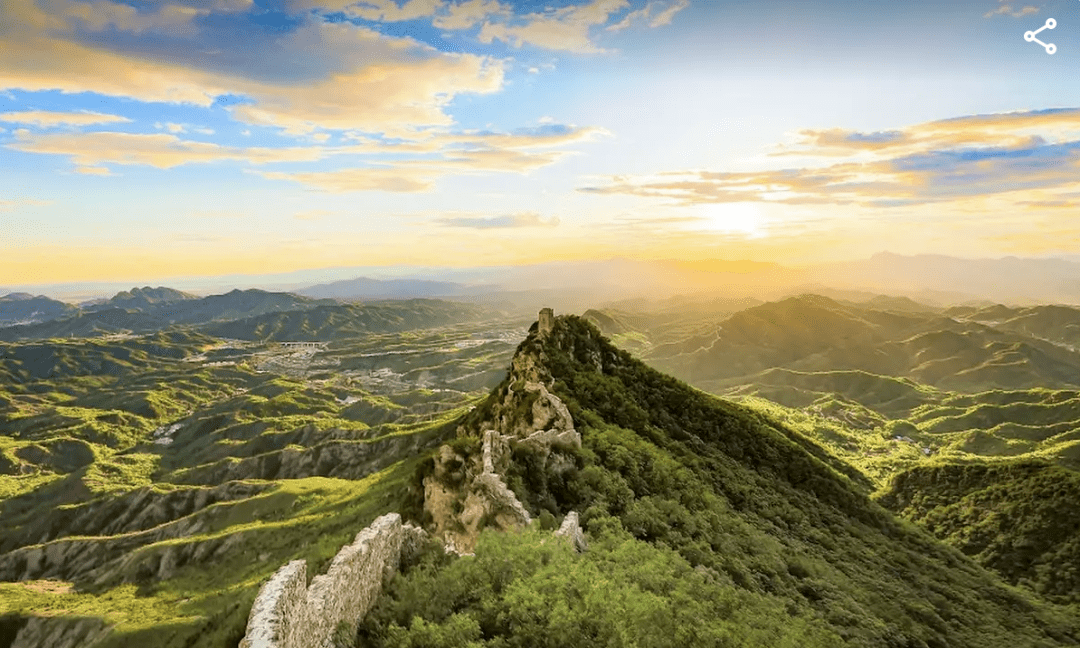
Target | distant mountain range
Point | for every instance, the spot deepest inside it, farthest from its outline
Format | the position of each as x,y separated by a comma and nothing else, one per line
24,308
366,288
963,349
140,299
934,280
148,309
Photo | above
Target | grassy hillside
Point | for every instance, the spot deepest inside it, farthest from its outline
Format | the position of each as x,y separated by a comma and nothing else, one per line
151,483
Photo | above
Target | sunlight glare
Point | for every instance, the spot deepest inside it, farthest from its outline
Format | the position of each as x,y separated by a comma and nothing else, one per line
735,218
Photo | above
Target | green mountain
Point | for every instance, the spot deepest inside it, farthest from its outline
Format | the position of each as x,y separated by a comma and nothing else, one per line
1018,518
151,309
337,321
689,496
813,333
151,483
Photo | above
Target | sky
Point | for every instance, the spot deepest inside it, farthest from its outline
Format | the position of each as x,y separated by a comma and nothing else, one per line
146,139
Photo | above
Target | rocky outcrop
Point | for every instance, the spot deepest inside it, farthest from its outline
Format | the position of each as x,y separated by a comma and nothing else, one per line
465,494
62,632
289,614
571,530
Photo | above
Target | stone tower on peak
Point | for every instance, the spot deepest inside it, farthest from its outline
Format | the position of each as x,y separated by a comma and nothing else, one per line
546,321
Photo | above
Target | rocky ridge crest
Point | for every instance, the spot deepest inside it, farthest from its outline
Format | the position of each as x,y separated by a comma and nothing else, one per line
466,490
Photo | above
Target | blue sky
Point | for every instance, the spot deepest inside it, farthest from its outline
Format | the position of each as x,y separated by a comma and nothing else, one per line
156,138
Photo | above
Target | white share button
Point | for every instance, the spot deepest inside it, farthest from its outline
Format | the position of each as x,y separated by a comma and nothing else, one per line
1030,36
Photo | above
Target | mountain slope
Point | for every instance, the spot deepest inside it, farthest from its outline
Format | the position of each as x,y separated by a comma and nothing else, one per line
738,496
811,333
1018,518
335,321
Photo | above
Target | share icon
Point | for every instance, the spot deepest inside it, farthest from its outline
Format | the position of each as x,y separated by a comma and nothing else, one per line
1030,36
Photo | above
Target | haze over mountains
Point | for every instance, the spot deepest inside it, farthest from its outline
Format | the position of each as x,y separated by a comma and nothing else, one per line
932,279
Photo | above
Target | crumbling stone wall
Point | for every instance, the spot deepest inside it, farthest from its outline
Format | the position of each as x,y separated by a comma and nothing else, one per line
289,614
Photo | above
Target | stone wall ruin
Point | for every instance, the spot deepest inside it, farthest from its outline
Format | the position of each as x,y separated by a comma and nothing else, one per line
288,613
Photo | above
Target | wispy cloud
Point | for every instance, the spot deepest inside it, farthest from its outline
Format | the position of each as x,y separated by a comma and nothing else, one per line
159,150
375,10
7,205
178,129
50,119
312,214
1008,10
398,179
938,161
507,221
425,160
655,14
565,28
464,15
93,170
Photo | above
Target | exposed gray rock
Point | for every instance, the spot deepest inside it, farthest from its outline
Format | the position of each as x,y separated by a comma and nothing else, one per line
571,530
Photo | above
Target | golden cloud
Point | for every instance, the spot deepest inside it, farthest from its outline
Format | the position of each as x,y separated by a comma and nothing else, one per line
16,203
566,28
1015,129
416,176
48,119
393,179
656,14
158,150
943,161
93,170
354,78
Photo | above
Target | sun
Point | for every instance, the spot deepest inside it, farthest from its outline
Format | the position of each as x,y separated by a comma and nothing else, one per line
744,218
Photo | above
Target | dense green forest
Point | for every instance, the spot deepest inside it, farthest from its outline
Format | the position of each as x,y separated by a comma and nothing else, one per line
719,502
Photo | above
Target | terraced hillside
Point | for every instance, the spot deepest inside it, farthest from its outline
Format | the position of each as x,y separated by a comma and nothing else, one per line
150,483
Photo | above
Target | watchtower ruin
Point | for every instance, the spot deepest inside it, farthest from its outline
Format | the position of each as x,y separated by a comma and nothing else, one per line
546,321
